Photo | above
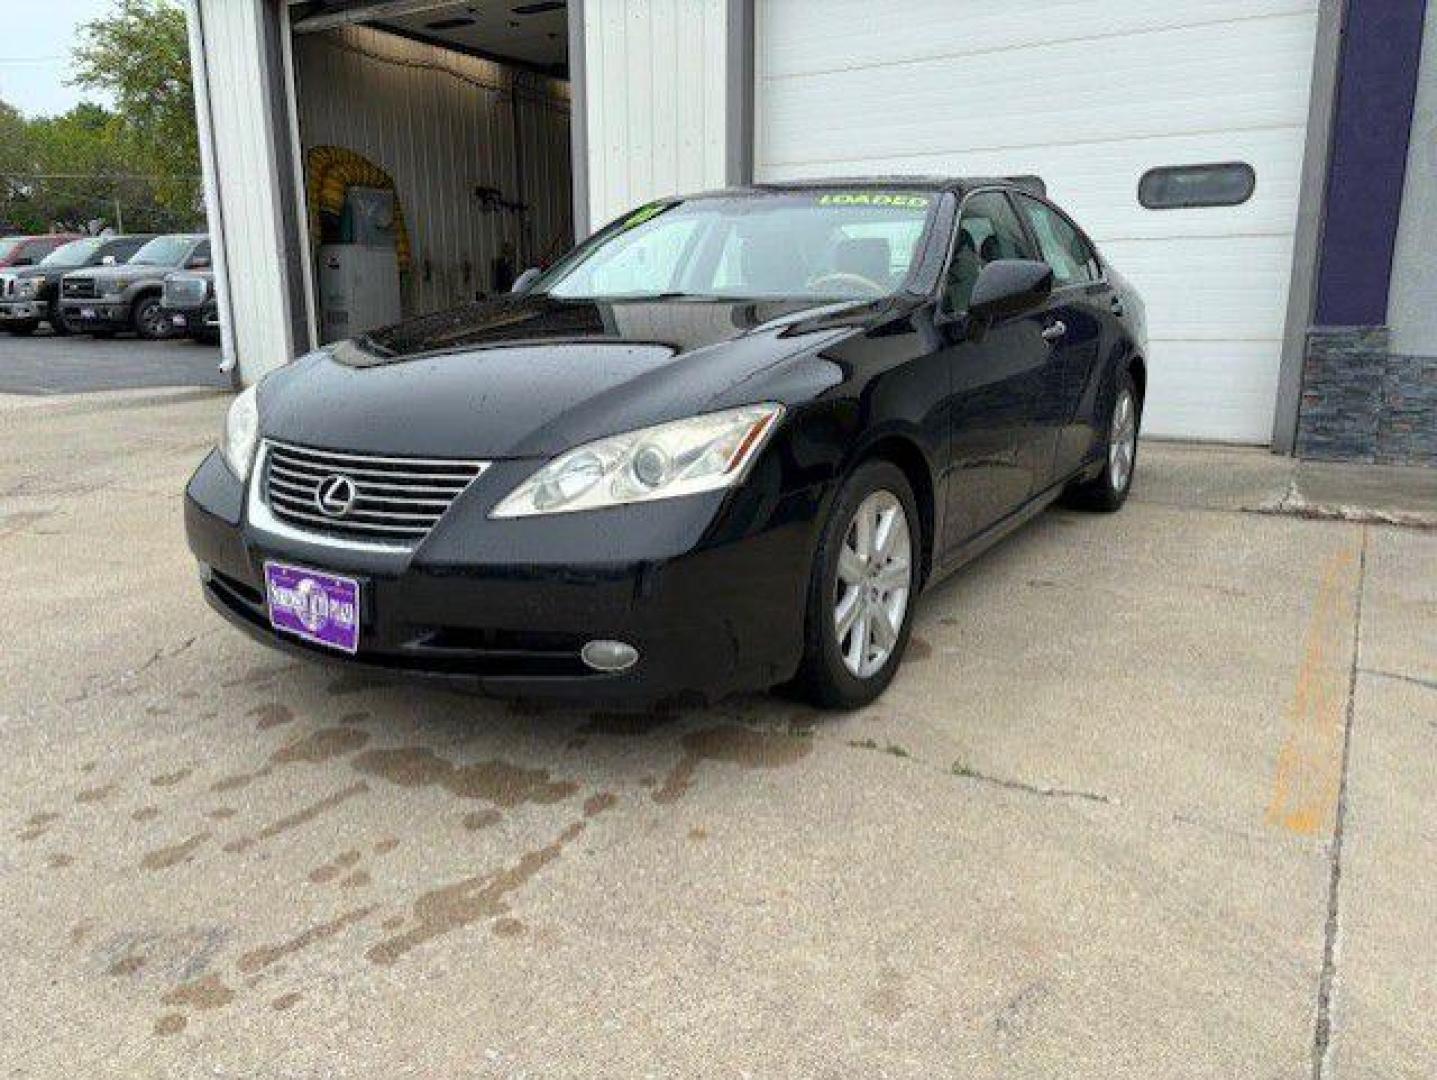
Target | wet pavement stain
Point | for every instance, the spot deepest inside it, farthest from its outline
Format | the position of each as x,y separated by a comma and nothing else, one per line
271,715
285,1001
735,745
221,813
698,834
170,779
509,928
96,794
145,813
322,875
206,992
37,825
482,819
164,858
385,846
239,780
257,960
626,725
453,907
918,649
357,880
59,860
320,746
300,817
598,803
125,966
171,1024
495,781
354,717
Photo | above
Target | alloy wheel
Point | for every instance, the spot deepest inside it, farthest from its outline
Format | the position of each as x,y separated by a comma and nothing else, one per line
875,577
1122,441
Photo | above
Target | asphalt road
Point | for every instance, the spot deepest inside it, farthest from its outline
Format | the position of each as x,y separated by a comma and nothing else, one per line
46,364
1151,797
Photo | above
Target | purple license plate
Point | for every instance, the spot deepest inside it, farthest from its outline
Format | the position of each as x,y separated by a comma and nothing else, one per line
318,607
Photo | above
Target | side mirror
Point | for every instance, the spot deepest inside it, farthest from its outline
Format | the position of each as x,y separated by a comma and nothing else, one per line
109,260
525,281
1010,287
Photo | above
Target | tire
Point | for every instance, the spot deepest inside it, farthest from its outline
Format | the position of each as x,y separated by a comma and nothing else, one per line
826,675
58,323
1107,491
24,329
148,319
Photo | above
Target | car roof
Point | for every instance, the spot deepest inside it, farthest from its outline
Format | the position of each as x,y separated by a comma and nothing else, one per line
955,184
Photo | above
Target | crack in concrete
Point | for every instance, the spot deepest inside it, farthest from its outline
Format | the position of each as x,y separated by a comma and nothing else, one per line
1322,1026
1415,680
115,682
959,769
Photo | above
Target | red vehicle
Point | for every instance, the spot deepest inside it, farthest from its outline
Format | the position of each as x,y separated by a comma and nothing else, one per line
28,250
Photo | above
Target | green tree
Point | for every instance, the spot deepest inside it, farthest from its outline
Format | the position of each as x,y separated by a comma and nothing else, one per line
139,56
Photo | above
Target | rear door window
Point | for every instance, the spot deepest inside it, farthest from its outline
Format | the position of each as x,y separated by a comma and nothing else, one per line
1063,247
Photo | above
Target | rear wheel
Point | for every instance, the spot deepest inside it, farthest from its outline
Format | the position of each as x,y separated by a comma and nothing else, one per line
861,590
1109,489
149,319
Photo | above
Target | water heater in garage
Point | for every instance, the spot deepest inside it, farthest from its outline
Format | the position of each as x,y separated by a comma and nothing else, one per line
359,278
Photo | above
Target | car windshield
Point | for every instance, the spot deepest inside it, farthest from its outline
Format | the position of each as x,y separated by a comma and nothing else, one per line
812,245
164,251
8,244
75,253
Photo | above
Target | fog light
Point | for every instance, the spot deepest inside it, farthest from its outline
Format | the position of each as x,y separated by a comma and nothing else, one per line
609,656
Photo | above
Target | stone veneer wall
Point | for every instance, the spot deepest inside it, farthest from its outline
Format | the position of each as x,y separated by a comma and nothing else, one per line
1362,403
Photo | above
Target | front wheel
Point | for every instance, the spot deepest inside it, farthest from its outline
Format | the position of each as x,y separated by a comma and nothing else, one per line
861,589
1109,489
149,318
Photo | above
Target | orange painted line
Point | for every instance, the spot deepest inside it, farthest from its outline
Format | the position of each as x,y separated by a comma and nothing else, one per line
1309,764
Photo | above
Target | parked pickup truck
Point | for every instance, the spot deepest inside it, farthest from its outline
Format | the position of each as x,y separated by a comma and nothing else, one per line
110,299
28,250
31,295
189,301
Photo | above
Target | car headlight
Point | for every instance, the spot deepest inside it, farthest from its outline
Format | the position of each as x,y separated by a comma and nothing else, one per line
112,288
685,457
241,433
27,287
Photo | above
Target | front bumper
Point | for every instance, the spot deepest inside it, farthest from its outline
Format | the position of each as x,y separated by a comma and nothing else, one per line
23,311
709,589
200,320
106,314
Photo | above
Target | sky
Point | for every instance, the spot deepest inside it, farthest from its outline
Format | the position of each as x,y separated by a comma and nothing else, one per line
35,54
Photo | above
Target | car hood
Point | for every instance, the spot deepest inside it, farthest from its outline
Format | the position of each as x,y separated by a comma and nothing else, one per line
530,377
124,272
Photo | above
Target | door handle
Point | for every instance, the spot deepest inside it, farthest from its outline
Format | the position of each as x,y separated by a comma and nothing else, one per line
1053,331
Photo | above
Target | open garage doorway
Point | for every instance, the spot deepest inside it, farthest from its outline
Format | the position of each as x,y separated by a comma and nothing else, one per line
435,149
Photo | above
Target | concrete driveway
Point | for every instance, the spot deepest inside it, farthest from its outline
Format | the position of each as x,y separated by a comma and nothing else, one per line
1152,797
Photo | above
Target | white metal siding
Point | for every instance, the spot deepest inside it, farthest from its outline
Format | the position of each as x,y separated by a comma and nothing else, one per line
442,124
655,100
243,131
1087,94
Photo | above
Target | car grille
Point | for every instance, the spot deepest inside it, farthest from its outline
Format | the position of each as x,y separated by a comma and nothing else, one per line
395,499
78,288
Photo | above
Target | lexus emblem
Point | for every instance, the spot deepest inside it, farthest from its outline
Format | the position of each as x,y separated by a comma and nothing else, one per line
335,496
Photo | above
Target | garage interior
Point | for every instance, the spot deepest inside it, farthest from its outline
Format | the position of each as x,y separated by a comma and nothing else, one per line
435,149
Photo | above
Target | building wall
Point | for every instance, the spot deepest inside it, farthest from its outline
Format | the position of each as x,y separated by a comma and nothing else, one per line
655,96
443,124
238,41
1412,302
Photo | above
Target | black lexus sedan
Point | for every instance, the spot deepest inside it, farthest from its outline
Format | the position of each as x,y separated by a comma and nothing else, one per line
725,443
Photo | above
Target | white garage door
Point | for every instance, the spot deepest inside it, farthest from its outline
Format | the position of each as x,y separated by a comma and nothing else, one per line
1088,95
